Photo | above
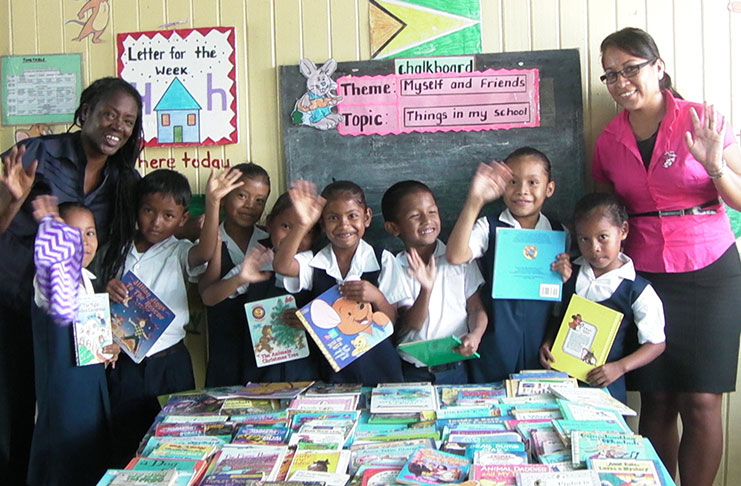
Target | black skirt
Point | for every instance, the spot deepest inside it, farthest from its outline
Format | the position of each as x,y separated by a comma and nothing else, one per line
703,320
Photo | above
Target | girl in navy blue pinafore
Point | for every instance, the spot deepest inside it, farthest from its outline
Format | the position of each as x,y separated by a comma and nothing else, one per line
72,438
516,327
365,274
227,323
607,276
258,282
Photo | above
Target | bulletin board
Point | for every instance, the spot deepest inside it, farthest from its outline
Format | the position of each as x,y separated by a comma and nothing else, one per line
445,161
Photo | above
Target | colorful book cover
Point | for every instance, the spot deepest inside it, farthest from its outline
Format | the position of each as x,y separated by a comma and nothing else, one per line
125,477
140,320
189,471
434,352
585,337
567,478
412,398
343,329
448,394
92,329
591,445
379,476
430,466
181,450
394,453
272,341
505,474
320,461
619,472
253,434
278,418
234,406
268,391
245,459
236,479
192,404
321,388
340,403
522,264
564,427
319,477
207,445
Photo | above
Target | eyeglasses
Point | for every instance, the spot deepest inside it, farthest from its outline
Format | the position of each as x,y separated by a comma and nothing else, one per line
627,72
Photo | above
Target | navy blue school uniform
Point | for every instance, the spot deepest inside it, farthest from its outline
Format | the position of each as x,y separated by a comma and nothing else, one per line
60,172
516,327
631,293
134,388
227,331
382,363
72,437
227,323
304,369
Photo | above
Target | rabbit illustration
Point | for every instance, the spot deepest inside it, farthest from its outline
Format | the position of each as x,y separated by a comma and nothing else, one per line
314,108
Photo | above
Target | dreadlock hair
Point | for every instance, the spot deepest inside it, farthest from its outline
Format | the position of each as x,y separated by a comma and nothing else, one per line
123,163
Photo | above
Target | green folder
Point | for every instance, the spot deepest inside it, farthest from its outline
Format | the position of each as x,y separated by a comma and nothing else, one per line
435,351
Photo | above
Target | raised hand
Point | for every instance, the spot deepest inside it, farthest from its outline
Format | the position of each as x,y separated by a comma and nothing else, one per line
307,203
219,185
489,181
423,272
253,261
706,146
45,205
14,177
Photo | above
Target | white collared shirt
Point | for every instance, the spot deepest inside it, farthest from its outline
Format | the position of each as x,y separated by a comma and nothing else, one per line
364,260
164,269
235,253
479,240
85,287
237,256
648,310
453,286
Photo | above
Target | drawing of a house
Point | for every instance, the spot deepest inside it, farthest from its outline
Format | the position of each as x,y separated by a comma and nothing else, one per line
178,115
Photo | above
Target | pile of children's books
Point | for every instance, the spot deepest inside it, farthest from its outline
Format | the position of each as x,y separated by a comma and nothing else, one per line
537,428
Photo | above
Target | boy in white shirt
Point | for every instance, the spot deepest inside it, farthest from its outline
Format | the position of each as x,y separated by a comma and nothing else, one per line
443,299
165,265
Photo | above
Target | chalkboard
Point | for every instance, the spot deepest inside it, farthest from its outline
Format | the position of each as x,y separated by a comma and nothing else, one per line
445,161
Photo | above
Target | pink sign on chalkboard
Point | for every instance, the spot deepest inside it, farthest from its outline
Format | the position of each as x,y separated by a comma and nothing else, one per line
392,104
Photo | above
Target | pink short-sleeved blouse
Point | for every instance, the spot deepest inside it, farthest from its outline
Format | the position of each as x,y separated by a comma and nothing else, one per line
673,180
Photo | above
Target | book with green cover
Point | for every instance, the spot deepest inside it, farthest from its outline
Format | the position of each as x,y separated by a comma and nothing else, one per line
434,352
585,337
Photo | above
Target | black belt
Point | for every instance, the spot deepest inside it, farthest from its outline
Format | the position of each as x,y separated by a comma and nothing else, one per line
444,367
683,212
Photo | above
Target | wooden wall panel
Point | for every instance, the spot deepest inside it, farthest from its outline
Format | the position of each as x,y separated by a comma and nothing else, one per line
515,25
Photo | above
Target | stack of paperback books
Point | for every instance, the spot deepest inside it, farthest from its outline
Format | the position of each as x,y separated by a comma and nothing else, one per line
536,428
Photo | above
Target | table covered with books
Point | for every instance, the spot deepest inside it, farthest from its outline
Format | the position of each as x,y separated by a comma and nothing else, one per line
534,429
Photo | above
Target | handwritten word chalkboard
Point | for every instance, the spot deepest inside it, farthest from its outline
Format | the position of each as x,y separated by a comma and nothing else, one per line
444,161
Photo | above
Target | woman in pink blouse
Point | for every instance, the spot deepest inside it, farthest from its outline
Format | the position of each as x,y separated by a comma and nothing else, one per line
671,162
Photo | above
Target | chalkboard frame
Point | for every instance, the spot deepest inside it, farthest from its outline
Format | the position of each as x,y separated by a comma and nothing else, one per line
445,161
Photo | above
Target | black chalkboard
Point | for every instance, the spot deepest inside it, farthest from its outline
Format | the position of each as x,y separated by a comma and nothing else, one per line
445,161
